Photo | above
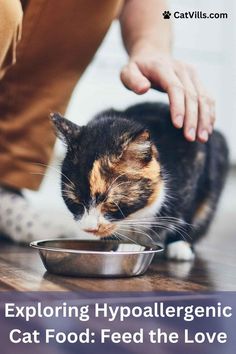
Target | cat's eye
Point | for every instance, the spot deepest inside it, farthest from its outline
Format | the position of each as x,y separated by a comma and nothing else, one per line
77,209
100,197
114,213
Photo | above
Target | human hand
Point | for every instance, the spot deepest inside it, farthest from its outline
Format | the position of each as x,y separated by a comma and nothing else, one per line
190,105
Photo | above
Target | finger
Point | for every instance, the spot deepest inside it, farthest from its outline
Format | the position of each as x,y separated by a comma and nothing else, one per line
177,107
191,117
134,80
212,114
191,104
206,110
204,124
167,80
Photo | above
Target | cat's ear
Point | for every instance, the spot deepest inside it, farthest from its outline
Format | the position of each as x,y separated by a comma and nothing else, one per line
66,130
138,147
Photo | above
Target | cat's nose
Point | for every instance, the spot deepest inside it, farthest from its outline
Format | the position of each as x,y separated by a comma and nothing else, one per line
92,231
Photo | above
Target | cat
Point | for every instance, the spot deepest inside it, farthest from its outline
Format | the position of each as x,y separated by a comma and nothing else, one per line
132,174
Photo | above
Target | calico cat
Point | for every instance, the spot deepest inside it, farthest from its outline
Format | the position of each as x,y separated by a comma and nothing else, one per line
132,174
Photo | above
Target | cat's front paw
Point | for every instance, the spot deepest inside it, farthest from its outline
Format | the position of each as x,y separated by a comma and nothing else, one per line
179,251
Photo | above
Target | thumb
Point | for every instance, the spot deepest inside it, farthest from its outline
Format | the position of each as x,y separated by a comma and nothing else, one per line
133,79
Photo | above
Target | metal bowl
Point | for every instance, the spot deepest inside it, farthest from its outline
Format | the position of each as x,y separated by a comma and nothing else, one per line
95,258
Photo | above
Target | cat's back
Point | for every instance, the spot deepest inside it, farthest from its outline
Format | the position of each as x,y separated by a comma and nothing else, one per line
149,113
154,116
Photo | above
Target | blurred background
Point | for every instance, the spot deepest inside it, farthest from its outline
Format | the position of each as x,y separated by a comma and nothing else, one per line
208,44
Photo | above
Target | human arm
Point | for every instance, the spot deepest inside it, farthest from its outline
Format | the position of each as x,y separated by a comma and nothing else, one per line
147,38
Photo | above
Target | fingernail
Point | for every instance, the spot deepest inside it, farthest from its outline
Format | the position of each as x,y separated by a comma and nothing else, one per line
179,121
141,89
204,134
192,133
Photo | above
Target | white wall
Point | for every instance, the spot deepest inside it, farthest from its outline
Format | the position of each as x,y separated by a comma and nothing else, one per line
208,44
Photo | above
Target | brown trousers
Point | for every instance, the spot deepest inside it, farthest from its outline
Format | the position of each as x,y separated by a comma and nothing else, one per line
41,59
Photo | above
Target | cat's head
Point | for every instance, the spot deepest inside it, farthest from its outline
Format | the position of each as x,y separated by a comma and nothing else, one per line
110,173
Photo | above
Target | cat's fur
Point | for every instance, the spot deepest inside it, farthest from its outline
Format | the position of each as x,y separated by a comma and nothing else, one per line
133,171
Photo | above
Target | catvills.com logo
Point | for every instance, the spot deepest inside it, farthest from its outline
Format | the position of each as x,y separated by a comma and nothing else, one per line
194,15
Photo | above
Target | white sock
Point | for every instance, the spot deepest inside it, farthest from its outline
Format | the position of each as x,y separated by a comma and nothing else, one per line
22,222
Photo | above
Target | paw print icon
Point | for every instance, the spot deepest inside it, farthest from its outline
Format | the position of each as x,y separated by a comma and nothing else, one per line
166,15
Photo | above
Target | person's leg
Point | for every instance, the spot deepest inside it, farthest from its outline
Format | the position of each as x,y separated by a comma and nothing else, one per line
59,38
10,32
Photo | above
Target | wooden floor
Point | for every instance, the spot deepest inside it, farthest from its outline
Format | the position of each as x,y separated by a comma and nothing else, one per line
213,269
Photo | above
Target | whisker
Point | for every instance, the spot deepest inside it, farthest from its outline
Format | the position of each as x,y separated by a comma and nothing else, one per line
148,228
119,208
118,185
113,189
161,218
120,196
112,183
160,223
140,232
55,169
168,228
116,236
126,237
70,186
65,195
39,173
171,228
135,222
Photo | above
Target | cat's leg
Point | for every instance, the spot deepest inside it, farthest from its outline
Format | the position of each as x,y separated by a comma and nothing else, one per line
217,172
179,244
180,251
21,222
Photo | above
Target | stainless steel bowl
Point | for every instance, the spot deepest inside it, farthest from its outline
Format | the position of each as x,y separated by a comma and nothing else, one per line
95,258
